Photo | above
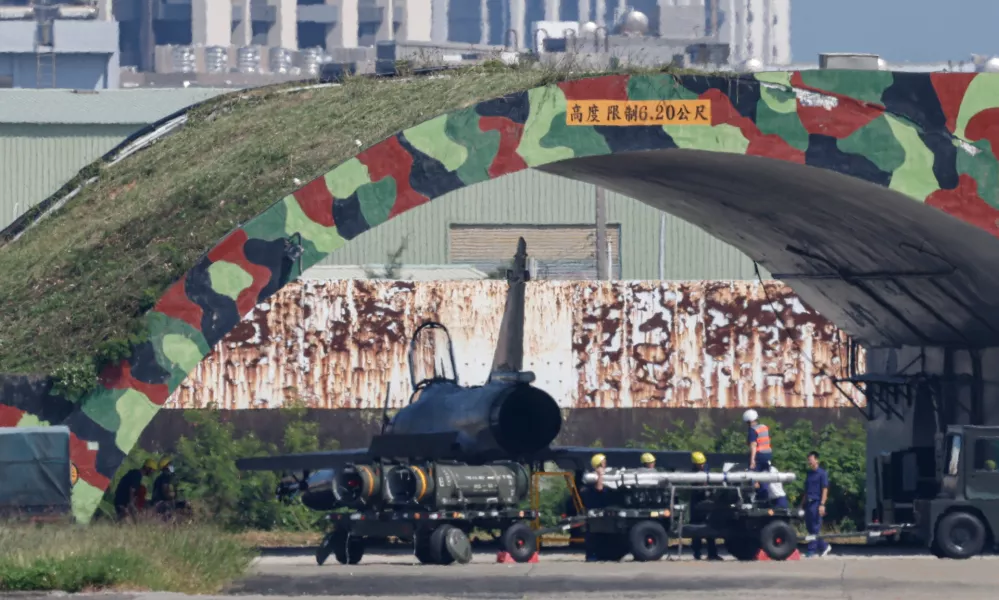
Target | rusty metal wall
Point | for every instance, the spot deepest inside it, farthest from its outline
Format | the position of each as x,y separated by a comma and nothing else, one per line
336,344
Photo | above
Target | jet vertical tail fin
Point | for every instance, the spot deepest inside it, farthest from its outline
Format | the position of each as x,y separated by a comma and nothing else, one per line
509,356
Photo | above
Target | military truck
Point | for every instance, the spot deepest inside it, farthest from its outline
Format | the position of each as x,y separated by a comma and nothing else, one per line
963,517
944,497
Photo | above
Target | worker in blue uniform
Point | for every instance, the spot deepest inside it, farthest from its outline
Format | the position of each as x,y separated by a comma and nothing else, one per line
698,464
594,497
813,502
760,450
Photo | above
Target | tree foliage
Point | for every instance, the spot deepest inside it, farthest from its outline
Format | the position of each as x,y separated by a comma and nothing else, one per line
207,477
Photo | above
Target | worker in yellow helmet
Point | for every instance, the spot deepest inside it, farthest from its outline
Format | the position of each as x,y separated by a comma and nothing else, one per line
648,461
163,488
699,464
594,497
990,465
130,495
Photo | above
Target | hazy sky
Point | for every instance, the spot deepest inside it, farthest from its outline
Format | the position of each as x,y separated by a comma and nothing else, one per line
897,30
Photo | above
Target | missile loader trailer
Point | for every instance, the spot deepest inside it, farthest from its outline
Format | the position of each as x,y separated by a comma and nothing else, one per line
435,505
643,514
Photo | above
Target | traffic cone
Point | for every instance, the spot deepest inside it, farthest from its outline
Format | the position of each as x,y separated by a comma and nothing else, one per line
504,557
761,555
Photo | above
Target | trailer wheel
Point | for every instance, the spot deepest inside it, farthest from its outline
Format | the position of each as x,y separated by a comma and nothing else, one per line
421,547
778,539
347,549
449,544
960,535
647,541
325,549
519,540
742,546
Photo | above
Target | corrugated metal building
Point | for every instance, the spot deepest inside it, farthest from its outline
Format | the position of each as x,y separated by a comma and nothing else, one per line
47,136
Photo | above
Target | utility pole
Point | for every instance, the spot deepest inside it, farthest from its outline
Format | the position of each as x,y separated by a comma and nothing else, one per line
601,249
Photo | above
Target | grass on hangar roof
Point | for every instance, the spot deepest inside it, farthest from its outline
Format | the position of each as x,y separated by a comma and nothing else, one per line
75,285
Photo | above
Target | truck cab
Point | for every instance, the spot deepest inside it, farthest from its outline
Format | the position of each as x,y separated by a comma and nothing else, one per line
962,519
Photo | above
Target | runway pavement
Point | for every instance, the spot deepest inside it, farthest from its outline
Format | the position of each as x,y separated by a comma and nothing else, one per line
856,574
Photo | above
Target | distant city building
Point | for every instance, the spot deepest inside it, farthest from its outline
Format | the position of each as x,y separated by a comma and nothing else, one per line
284,37
49,44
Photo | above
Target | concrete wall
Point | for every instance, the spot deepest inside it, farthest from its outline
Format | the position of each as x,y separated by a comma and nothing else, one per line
623,344
581,427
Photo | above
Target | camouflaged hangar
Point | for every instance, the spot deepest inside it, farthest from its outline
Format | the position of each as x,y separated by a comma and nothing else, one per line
873,194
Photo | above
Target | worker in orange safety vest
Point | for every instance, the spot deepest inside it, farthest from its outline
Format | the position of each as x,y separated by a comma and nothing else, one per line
760,450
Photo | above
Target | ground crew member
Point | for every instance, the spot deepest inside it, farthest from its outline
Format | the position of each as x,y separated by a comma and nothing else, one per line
648,461
778,498
813,501
594,496
760,451
129,496
699,464
164,497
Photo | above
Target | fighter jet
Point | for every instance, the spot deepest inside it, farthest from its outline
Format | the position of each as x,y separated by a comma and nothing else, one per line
506,419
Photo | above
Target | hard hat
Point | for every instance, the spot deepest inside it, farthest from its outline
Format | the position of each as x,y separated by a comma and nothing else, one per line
698,458
596,460
990,465
165,462
647,458
750,415
150,464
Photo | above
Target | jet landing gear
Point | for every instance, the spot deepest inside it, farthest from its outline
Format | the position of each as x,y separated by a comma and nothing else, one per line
442,545
347,549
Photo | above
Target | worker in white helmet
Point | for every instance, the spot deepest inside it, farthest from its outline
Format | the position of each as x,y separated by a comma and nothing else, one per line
760,450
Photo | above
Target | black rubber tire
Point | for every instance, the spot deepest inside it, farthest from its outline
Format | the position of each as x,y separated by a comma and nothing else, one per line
610,547
935,549
647,541
960,535
348,549
325,549
438,549
778,540
421,547
519,540
742,547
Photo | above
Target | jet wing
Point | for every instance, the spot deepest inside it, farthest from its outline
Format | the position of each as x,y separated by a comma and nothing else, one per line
308,461
577,458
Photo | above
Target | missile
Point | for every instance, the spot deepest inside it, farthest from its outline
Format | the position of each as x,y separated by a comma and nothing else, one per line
632,478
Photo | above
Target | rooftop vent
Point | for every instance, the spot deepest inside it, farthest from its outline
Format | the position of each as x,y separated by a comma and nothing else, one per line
849,60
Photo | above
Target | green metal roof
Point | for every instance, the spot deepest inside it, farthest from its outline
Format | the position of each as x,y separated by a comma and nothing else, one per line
106,107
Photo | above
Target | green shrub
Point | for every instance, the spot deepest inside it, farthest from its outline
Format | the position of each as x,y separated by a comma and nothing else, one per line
147,556
206,474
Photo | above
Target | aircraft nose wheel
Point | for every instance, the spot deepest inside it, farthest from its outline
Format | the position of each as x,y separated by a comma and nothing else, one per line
347,549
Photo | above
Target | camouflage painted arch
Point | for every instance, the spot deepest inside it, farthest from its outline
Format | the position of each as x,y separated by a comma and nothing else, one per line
928,136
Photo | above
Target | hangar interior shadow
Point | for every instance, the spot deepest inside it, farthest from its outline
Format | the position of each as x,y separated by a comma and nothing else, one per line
884,268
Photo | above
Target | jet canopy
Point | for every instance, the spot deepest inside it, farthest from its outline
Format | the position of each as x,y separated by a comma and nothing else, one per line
431,355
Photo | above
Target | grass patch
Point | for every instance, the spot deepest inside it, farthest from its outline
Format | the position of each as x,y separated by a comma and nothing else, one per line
187,559
80,279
